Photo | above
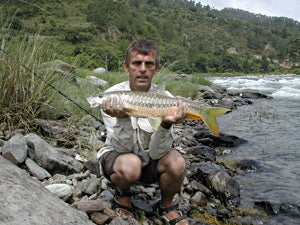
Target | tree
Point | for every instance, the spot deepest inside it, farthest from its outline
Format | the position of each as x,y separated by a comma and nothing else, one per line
215,64
264,64
293,48
230,63
200,64
100,12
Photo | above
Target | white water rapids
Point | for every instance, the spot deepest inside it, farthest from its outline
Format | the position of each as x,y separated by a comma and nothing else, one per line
272,128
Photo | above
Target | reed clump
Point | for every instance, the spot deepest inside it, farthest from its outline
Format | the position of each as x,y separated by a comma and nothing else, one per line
24,85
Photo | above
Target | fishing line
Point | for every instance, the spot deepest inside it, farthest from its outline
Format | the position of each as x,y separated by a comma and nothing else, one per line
52,86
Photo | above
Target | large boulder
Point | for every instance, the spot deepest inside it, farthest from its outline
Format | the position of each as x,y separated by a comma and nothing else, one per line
51,158
25,201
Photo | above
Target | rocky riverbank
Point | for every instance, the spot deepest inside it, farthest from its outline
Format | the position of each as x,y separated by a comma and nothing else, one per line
58,181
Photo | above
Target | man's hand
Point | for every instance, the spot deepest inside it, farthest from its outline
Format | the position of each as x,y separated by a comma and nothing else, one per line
177,118
114,108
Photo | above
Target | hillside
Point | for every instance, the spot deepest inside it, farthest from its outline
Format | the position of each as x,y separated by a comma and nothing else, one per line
191,37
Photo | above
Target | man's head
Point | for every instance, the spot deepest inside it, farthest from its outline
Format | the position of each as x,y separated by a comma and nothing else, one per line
144,47
142,63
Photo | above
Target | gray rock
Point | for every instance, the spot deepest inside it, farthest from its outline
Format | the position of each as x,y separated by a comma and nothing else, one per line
253,95
95,81
58,178
51,128
200,187
200,171
36,170
119,220
25,201
249,165
198,199
51,158
202,152
100,218
1,142
226,187
207,92
90,186
93,166
268,206
79,176
63,191
15,149
89,206
99,70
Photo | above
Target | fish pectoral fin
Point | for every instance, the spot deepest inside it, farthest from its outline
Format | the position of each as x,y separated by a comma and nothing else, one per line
129,111
192,117
155,122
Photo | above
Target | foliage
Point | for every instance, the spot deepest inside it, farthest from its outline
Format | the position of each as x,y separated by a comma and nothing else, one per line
199,39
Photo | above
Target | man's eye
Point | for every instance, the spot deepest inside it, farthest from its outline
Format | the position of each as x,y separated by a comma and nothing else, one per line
150,64
137,63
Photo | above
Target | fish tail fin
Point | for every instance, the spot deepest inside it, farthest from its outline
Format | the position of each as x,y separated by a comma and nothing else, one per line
210,118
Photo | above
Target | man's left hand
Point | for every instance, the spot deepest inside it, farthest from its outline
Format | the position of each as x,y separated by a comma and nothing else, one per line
178,117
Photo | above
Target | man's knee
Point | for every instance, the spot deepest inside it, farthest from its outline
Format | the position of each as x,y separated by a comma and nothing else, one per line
128,166
173,162
178,165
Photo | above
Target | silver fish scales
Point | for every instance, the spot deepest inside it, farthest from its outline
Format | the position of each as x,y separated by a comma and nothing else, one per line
156,105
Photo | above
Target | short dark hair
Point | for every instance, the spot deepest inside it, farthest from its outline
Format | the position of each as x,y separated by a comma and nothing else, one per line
144,47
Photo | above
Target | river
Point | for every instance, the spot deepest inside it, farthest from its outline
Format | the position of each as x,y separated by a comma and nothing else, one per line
272,129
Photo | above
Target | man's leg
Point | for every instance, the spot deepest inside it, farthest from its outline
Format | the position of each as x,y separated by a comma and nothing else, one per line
126,171
171,168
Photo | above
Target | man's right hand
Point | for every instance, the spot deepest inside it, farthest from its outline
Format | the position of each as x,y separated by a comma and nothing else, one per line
114,108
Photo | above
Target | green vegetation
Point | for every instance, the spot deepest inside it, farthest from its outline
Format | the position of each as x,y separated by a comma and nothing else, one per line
24,93
199,39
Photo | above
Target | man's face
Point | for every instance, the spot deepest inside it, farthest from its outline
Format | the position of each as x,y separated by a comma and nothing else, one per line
141,69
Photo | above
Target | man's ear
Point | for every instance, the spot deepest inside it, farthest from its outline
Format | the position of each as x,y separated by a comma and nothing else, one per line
125,65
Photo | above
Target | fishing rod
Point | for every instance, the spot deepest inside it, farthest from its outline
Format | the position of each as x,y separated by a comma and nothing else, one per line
52,86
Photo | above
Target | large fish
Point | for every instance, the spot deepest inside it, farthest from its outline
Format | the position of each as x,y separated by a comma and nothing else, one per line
157,104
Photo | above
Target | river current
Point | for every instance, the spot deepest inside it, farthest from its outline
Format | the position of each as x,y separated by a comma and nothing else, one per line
272,129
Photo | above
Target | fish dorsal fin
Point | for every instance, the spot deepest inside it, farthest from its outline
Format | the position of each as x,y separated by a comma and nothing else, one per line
155,122
159,89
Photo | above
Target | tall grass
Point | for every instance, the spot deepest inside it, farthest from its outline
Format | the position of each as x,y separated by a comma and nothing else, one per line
24,86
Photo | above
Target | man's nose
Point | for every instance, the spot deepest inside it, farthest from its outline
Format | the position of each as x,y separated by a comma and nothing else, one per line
143,66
